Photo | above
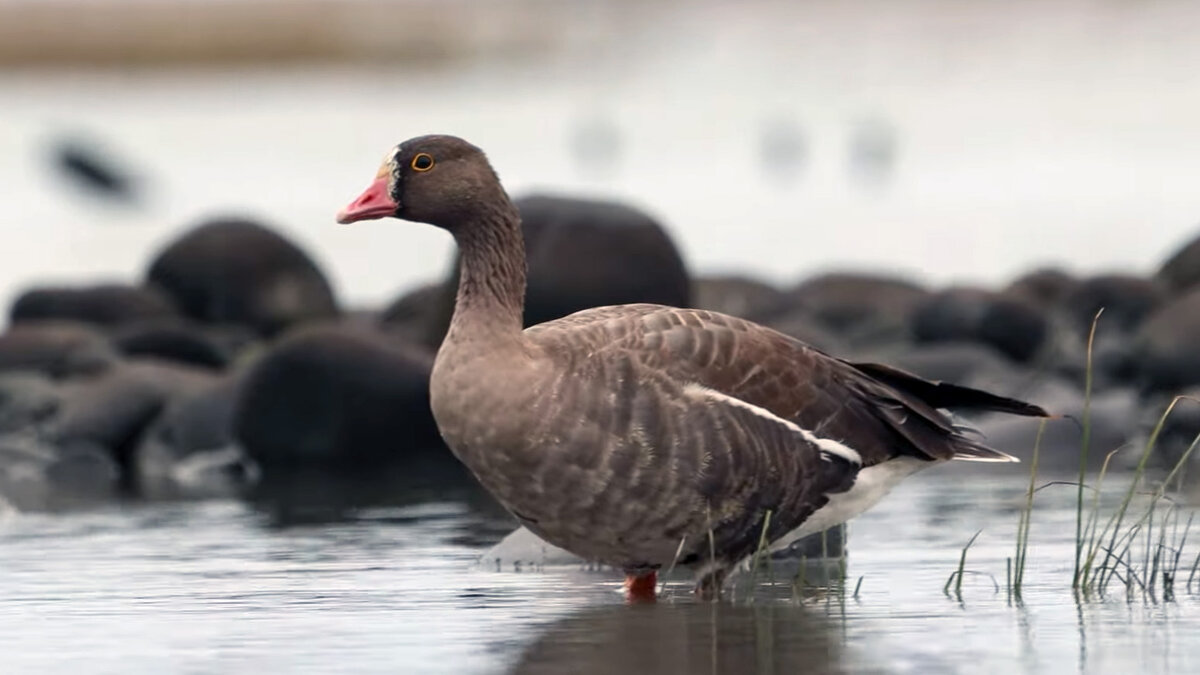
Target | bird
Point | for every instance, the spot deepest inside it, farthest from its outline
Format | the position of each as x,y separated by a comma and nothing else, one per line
644,436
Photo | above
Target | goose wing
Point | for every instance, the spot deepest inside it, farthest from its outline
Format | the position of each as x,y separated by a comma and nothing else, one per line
875,411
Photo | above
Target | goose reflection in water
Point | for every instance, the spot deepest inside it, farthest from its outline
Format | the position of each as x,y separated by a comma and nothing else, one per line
689,637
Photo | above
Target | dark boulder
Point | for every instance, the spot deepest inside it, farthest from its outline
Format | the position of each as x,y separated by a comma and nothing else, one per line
336,395
113,409
1126,300
1017,328
865,311
234,270
1045,287
587,253
1181,271
103,305
189,450
176,340
115,412
1168,345
846,301
415,314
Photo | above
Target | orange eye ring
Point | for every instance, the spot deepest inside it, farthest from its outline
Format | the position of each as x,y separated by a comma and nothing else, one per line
422,161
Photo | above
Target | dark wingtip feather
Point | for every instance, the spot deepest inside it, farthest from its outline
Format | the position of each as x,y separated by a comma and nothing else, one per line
946,395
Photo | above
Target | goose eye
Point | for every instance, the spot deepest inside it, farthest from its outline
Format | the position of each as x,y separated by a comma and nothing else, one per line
422,162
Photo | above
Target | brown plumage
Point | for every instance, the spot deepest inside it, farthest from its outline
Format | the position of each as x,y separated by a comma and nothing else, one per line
626,434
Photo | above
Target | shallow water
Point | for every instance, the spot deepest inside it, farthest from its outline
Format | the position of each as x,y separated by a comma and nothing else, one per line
219,586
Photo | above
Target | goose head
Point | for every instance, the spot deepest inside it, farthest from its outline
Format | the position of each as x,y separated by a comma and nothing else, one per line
439,180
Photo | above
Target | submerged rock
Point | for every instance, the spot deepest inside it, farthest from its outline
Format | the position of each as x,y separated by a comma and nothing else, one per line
40,476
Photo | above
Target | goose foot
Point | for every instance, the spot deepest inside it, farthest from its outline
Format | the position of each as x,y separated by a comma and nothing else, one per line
641,587
708,588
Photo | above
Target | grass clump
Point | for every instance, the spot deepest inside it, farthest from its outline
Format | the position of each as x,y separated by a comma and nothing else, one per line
1105,547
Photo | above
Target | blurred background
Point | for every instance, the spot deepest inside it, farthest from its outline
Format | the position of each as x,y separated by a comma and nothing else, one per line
952,187
942,139
229,392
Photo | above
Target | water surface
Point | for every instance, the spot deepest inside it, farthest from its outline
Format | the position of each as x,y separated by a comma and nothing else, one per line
221,586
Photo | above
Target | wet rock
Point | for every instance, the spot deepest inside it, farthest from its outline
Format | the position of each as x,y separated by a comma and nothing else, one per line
189,450
1016,328
26,401
56,349
336,395
1166,345
234,270
40,476
113,409
103,305
583,253
740,296
152,419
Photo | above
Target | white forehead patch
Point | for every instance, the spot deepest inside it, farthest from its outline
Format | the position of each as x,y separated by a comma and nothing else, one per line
389,165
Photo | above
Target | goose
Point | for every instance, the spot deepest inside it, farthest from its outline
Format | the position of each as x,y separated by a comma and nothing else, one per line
643,436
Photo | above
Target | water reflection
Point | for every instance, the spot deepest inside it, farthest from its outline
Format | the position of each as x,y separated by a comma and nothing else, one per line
688,638
324,494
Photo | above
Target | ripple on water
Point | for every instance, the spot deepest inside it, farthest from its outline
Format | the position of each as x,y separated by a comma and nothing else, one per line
216,586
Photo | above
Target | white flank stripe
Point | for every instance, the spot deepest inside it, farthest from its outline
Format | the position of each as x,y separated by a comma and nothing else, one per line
824,444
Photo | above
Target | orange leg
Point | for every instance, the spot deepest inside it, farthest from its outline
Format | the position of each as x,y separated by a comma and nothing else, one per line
641,587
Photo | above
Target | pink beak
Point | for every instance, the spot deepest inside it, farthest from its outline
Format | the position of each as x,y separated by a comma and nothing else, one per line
374,202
